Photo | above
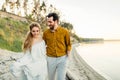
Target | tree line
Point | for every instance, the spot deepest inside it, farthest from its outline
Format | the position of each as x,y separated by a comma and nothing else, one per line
34,10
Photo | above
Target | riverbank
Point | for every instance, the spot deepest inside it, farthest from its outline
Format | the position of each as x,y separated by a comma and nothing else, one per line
77,68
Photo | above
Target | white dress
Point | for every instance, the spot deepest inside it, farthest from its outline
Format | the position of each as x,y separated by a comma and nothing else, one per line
33,65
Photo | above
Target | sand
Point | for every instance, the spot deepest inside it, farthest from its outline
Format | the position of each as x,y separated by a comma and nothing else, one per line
77,69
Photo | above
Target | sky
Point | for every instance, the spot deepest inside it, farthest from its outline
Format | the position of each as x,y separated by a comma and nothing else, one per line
92,18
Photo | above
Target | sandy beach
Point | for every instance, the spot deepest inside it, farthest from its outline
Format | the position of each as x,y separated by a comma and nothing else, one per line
77,68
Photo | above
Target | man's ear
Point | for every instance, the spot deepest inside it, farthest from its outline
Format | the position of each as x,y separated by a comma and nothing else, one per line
56,22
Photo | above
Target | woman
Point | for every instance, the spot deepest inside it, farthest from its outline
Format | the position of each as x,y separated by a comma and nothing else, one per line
33,65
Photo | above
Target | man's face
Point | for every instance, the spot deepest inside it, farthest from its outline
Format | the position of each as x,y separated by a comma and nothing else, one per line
51,23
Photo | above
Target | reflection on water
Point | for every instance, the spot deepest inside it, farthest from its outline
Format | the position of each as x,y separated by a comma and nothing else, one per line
103,57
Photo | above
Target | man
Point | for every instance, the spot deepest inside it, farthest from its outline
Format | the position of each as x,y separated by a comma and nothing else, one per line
58,47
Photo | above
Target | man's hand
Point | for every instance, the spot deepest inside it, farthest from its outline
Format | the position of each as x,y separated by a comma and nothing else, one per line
68,53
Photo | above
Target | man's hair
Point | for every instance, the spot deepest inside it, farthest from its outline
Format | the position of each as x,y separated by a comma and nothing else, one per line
54,15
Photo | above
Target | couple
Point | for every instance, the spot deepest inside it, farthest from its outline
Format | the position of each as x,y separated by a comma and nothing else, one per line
44,56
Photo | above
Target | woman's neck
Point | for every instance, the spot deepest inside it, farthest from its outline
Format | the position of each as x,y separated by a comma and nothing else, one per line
37,39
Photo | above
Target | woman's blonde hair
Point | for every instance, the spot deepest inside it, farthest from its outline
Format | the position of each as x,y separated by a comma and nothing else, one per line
29,39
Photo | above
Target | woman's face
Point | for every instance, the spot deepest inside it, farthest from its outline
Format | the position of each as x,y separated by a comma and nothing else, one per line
35,32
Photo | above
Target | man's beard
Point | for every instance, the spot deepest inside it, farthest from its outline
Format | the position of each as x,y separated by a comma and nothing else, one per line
52,28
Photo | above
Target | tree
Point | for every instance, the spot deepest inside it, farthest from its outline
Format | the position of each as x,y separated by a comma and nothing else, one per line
25,7
66,25
4,5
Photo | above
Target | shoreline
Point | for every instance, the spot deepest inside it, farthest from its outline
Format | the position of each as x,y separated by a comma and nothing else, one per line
92,74
80,70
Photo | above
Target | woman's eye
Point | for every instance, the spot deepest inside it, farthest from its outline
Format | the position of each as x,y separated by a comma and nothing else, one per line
35,31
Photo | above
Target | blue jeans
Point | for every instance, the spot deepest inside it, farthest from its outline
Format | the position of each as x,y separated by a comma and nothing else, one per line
57,67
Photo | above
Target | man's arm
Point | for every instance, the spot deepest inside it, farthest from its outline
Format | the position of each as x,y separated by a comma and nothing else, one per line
44,37
68,43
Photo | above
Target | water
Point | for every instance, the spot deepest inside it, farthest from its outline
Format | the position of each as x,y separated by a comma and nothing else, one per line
103,57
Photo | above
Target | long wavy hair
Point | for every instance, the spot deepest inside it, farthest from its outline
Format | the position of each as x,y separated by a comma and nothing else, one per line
29,38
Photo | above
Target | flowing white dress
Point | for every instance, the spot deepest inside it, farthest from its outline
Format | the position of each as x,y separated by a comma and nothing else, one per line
33,65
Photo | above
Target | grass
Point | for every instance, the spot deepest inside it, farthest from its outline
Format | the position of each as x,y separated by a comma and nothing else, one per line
12,34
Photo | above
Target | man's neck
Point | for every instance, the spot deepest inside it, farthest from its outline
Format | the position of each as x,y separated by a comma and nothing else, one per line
54,28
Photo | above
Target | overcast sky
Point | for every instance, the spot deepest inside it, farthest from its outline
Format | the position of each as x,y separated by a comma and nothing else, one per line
92,18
